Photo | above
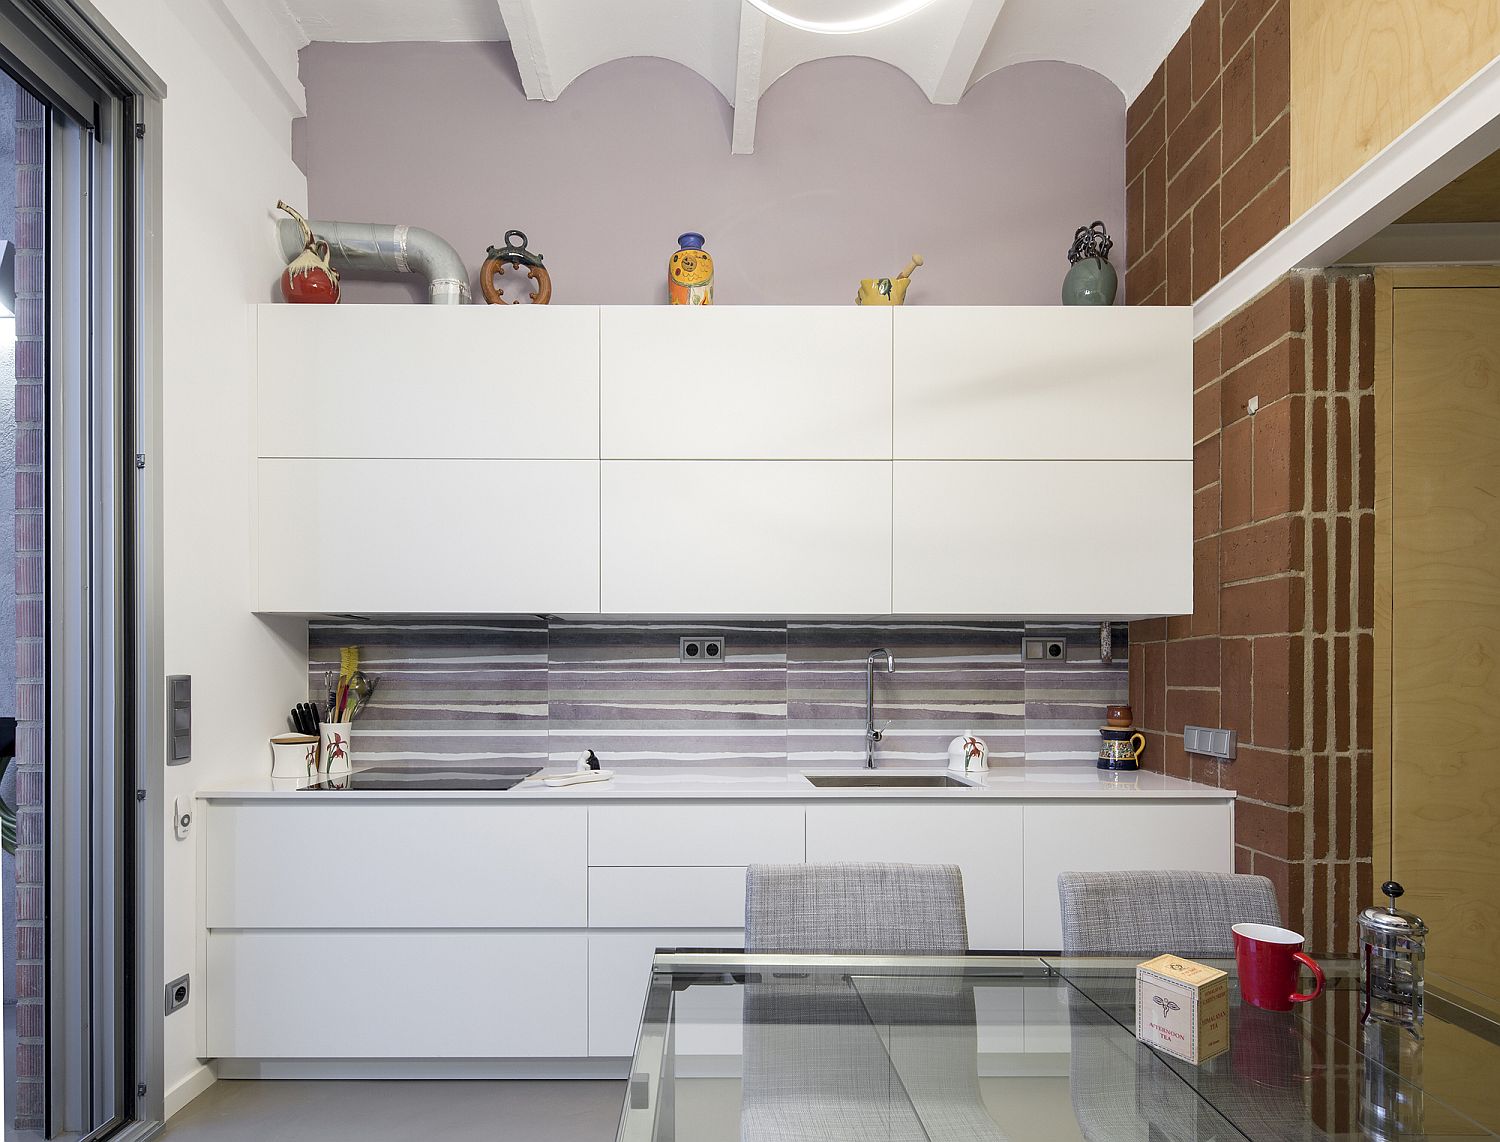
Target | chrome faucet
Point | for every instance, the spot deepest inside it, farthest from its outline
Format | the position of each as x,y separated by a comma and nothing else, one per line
872,735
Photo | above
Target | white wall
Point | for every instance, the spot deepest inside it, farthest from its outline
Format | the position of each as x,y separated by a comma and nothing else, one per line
226,150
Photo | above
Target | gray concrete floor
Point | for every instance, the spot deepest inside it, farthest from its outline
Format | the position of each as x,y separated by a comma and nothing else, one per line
268,1111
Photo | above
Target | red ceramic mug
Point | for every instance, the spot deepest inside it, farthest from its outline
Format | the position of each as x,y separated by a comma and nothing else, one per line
1267,958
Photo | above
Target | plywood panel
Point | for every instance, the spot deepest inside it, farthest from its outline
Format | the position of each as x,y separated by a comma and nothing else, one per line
1363,71
1445,624
1473,196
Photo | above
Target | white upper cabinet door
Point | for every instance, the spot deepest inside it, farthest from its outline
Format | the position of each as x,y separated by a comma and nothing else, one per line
482,381
747,537
746,383
1044,383
1060,539
435,536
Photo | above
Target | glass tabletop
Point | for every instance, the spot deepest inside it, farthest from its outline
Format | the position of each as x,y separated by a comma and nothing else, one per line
789,1048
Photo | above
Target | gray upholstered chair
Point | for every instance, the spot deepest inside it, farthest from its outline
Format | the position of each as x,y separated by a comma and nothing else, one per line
1147,913
855,908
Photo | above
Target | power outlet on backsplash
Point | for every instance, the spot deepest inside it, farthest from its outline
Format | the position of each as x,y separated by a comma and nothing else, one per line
700,648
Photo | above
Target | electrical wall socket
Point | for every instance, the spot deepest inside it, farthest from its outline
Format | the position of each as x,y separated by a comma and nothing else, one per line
700,648
1044,649
177,993
1210,742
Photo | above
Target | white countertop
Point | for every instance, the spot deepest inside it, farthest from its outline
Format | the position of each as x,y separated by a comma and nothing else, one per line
1002,783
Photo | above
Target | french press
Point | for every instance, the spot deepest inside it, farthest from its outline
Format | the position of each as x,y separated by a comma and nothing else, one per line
1392,950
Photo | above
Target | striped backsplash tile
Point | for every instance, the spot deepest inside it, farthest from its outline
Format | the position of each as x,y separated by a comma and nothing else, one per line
530,691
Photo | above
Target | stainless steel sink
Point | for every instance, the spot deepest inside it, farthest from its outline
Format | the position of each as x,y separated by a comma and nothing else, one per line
886,781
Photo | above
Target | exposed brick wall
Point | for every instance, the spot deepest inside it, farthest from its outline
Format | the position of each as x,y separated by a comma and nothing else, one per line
1278,645
1208,152
31,630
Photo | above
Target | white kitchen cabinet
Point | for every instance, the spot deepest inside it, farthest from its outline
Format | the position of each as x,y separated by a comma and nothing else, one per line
393,864
667,897
984,840
702,835
745,383
397,995
1043,382
746,537
1101,836
428,381
1047,538
620,973
476,536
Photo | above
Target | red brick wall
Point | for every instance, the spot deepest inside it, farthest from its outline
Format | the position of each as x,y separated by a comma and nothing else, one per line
1278,645
31,658
1208,152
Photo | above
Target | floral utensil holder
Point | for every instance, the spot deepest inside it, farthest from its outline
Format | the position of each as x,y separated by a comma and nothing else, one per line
335,754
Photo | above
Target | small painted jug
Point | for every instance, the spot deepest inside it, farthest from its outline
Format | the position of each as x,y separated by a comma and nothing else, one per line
690,273
308,278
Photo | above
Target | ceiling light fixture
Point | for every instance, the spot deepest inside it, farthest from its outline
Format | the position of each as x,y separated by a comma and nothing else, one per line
888,14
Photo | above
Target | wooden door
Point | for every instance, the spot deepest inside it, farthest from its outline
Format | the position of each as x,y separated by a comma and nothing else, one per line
1441,460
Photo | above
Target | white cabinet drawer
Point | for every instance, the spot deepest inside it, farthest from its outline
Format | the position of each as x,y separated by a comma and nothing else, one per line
1043,383
402,995
1109,836
429,381
667,897
983,839
620,973
1054,538
746,537
480,536
745,383
695,835
394,864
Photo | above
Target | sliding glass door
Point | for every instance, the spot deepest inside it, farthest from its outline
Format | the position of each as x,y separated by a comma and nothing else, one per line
79,790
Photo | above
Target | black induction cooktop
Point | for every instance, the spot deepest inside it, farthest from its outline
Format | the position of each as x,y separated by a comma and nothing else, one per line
436,778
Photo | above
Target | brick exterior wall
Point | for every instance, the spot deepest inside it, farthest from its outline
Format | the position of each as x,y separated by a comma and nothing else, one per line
1279,643
1208,152
31,613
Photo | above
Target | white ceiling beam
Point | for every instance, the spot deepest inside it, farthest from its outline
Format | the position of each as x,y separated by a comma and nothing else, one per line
531,54
973,34
747,77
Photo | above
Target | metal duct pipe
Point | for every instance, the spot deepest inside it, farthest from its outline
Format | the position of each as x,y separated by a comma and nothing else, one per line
372,246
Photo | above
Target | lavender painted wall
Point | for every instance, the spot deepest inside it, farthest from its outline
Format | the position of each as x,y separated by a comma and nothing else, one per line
853,171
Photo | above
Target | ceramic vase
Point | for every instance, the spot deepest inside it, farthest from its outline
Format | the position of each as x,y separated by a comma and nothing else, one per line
968,753
690,273
1092,281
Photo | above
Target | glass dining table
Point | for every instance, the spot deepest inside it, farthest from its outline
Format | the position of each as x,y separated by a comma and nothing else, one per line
987,1048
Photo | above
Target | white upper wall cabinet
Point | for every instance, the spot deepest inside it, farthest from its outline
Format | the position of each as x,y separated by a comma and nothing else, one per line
1079,538
446,536
747,537
1043,383
745,383
513,381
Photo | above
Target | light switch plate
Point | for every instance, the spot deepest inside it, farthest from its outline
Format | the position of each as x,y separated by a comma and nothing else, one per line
179,719
1210,742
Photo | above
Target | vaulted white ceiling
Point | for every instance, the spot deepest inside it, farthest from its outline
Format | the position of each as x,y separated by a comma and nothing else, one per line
945,48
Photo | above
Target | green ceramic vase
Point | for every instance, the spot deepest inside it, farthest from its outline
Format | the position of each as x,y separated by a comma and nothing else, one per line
1091,281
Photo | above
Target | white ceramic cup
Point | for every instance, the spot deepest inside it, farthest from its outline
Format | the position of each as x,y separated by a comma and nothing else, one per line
335,753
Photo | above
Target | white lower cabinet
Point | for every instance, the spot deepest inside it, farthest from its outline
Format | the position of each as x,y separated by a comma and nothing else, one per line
620,973
984,840
513,932
397,995
1100,836
313,864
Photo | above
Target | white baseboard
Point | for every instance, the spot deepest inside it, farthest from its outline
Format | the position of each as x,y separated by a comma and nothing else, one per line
594,1068
182,1092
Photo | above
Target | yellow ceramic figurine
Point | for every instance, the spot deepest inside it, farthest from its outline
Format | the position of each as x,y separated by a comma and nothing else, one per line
887,291
690,273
